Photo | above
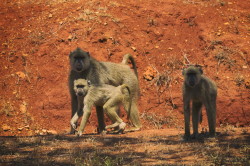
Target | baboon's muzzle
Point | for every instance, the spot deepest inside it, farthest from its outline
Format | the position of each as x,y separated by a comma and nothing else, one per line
80,94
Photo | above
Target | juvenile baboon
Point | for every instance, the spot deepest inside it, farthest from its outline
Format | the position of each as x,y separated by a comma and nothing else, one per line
201,91
106,96
86,67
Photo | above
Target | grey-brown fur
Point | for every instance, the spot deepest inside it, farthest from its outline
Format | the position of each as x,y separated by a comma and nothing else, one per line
201,91
106,96
86,67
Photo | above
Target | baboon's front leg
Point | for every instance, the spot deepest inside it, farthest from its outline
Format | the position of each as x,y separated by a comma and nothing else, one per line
196,111
85,117
74,105
187,119
73,121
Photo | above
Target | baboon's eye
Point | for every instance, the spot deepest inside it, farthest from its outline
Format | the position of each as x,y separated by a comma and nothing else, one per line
191,74
79,58
80,86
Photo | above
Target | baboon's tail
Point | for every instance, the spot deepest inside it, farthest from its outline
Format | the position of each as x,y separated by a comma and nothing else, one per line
125,59
127,99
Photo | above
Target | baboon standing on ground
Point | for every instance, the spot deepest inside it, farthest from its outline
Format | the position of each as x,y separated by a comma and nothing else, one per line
86,67
106,96
200,90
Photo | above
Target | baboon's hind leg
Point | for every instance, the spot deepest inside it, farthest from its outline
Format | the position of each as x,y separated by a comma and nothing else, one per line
134,118
211,116
196,111
110,109
187,120
100,117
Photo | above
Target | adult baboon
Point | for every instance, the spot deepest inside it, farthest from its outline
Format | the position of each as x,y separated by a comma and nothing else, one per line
86,67
106,96
201,90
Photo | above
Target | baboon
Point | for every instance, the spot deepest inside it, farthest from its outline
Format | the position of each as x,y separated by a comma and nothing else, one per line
106,96
84,66
201,91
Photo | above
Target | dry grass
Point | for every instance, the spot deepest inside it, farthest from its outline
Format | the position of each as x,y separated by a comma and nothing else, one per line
159,121
239,80
6,108
230,147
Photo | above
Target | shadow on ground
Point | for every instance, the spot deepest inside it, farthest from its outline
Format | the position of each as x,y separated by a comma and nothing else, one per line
122,150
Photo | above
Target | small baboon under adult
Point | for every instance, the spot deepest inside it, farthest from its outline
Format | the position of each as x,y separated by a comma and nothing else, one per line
201,91
106,96
82,65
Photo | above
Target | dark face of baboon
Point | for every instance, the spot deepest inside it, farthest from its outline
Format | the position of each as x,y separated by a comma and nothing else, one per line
81,87
79,60
192,75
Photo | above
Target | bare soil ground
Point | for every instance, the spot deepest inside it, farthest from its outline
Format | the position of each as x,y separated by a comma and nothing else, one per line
36,38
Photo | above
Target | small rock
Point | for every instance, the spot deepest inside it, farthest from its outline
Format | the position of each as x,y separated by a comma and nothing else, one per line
25,55
41,133
23,107
20,74
44,130
71,37
5,127
150,73
20,128
52,132
133,48
218,34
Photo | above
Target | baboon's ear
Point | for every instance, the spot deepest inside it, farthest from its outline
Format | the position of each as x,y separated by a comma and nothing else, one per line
70,54
183,72
89,83
200,69
88,54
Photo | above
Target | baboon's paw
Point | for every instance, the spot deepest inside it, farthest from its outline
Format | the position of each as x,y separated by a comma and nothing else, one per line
195,136
122,126
73,126
79,133
104,132
186,137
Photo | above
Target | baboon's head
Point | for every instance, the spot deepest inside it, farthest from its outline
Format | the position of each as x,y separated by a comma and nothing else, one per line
192,75
81,87
79,60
